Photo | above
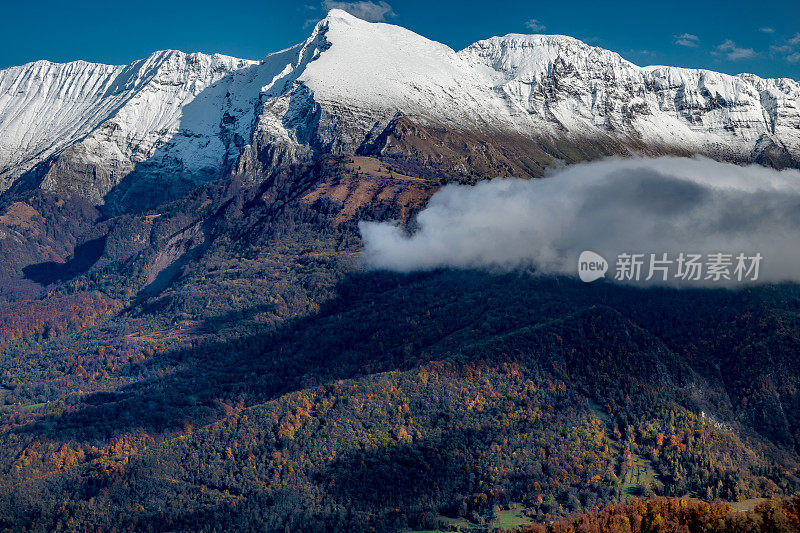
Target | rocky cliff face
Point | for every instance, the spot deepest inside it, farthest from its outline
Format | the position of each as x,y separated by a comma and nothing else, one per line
150,131
585,91
83,127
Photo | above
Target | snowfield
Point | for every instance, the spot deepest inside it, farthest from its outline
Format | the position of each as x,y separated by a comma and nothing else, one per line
176,116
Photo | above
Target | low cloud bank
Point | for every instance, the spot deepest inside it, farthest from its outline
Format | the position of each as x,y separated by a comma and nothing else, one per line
615,206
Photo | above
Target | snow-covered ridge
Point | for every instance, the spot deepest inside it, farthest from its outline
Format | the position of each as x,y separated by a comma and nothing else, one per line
45,107
118,112
189,118
589,89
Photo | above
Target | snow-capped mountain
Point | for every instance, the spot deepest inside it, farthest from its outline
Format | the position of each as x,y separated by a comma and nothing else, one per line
92,124
174,120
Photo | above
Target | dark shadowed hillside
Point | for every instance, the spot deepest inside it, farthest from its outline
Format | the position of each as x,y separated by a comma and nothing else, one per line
264,380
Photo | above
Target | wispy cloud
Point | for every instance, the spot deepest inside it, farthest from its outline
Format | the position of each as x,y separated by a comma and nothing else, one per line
733,52
687,39
370,11
766,30
780,48
789,49
641,53
662,205
535,25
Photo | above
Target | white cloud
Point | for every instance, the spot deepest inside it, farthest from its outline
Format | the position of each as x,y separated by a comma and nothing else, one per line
687,39
535,25
788,49
766,30
647,53
781,49
741,53
370,11
662,205
734,53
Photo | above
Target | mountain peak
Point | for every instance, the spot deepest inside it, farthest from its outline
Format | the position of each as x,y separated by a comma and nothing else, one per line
341,14
517,54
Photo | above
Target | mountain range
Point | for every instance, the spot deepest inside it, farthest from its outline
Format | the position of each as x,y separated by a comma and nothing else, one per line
129,136
190,339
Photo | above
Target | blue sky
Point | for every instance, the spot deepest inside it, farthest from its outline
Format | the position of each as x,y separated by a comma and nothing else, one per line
733,36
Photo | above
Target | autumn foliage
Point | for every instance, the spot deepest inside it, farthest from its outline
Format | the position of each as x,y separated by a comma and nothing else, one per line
673,515
50,318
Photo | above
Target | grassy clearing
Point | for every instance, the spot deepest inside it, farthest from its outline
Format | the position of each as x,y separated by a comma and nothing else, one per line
510,518
637,476
31,406
506,519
